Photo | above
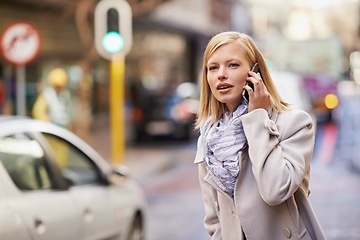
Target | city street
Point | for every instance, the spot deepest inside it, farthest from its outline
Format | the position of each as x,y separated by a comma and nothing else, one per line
175,205
116,73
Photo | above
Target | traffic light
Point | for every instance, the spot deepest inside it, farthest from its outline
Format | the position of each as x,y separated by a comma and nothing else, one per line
113,28
112,40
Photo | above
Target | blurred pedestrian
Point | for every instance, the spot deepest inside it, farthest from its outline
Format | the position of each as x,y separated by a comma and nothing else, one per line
253,156
54,102
54,105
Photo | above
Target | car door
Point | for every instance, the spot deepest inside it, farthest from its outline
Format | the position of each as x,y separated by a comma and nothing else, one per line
49,216
47,211
87,188
12,225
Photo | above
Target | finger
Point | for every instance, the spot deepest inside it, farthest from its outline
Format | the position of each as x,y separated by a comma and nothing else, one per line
255,75
249,90
255,79
258,86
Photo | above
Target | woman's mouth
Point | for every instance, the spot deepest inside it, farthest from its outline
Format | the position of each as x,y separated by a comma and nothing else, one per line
223,87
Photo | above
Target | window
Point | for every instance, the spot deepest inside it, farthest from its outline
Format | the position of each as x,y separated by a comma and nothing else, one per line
23,158
74,165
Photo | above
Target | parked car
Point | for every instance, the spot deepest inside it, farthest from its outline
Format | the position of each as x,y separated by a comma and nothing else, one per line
167,113
55,186
323,94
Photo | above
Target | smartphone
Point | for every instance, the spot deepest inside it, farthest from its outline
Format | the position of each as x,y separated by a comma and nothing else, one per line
254,69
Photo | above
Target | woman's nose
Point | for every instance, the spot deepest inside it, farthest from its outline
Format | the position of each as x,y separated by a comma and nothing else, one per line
222,73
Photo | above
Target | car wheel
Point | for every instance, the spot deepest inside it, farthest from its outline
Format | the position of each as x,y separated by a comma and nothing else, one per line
136,231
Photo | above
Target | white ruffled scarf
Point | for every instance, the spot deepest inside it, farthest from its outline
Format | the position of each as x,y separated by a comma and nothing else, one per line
222,142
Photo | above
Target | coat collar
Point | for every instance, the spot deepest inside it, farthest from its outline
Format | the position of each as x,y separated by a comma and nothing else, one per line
274,115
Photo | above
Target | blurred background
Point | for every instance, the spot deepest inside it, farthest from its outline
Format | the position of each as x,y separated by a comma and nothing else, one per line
312,49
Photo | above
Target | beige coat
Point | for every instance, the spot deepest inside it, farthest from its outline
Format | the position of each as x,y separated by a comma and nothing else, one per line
271,190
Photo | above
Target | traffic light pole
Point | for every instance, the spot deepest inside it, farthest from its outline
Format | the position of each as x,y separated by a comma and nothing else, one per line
113,40
117,109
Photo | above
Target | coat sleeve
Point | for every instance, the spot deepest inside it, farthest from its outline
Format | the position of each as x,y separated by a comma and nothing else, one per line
280,152
211,220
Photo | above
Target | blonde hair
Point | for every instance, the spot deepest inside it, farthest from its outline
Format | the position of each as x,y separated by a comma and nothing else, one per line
209,105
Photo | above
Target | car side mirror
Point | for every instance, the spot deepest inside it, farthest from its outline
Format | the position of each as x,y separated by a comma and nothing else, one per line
119,174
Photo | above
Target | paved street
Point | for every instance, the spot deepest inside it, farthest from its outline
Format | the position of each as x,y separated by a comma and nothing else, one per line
175,205
166,171
335,187
336,197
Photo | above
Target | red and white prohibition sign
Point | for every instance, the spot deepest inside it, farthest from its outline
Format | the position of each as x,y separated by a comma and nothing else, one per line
20,43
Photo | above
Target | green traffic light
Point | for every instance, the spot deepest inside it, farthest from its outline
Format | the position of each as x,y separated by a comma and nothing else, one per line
113,42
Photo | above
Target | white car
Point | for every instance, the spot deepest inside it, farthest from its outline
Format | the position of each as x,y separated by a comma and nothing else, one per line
55,186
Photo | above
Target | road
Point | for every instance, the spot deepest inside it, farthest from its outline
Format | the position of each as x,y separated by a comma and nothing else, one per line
175,205
176,209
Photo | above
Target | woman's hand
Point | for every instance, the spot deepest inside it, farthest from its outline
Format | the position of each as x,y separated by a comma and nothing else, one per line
259,97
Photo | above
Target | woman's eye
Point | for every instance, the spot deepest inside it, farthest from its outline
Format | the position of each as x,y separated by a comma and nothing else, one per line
211,68
233,65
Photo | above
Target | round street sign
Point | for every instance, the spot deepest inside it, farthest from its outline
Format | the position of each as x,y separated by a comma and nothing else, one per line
20,43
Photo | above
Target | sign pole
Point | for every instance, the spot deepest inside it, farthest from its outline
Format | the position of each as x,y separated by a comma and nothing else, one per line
20,45
20,91
117,111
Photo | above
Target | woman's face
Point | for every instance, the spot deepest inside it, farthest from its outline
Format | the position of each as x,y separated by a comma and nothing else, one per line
227,70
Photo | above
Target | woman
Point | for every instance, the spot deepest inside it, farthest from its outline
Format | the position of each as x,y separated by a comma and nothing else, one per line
253,156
